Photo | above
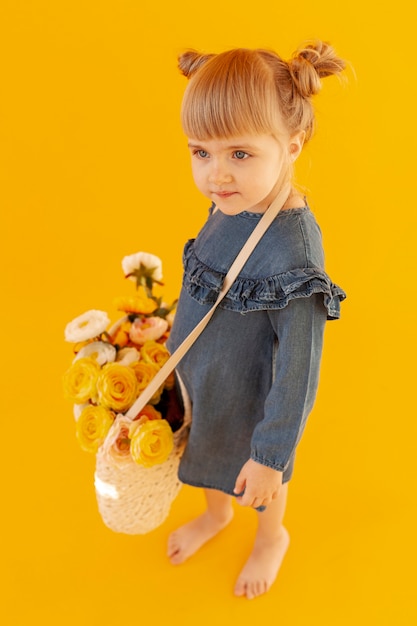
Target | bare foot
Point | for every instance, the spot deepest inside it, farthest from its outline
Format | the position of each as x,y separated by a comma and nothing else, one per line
262,567
187,539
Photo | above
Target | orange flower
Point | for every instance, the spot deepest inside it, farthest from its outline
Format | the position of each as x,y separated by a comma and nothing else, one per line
147,413
170,381
121,338
139,303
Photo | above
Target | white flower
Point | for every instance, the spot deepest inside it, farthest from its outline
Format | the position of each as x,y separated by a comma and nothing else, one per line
101,351
127,356
150,261
116,446
147,329
86,326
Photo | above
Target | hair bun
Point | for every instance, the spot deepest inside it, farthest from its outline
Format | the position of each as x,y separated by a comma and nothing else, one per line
311,63
191,60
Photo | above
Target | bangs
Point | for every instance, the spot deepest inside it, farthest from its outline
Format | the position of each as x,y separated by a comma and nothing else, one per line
232,94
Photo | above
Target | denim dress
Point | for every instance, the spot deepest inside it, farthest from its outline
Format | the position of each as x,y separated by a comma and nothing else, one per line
252,374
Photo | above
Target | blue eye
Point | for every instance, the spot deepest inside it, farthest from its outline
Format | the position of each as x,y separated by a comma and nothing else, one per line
239,154
202,154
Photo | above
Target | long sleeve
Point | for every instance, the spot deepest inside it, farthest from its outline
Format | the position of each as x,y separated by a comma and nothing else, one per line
299,329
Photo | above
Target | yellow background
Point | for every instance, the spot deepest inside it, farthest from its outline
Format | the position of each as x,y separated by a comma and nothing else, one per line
94,167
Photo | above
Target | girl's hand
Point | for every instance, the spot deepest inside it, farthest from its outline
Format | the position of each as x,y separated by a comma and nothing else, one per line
260,483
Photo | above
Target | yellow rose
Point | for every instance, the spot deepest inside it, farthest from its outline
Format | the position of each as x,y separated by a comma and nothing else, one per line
117,387
81,379
151,443
154,352
92,427
144,373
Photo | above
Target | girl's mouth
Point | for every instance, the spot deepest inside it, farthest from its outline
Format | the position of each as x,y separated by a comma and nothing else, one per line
224,194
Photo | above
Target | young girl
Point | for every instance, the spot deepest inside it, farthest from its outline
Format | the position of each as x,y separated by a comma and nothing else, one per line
252,375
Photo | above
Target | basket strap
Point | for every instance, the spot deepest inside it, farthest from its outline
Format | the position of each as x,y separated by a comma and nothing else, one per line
230,277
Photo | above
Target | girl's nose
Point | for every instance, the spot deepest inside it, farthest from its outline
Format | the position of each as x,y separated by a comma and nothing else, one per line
219,175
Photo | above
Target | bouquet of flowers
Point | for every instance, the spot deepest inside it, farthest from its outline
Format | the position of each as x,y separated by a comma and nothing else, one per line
138,454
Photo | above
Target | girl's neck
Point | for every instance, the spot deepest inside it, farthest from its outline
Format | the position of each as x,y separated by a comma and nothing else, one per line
294,201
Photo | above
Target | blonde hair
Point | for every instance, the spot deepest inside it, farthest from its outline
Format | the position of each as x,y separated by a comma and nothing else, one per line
245,91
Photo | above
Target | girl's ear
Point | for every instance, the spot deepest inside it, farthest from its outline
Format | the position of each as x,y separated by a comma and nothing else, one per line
296,144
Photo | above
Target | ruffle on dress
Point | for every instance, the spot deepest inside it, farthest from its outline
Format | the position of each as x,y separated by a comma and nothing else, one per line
203,284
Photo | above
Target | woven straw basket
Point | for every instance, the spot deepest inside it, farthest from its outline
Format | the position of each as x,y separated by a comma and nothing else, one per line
133,499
